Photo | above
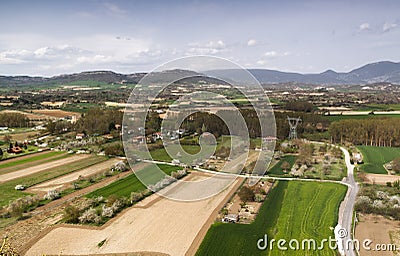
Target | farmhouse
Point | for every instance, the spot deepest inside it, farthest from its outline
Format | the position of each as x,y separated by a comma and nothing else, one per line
79,136
15,150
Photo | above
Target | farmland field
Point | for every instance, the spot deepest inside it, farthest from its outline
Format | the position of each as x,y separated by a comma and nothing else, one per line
18,163
292,210
375,157
162,155
57,113
9,193
277,169
334,118
131,183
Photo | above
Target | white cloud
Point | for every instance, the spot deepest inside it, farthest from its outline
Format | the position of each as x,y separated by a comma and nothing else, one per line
271,54
251,42
211,47
261,62
114,9
364,27
389,26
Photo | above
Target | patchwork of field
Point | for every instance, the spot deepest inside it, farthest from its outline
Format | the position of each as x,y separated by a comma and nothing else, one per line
25,161
86,172
56,113
300,210
154,225
39,168
31,116
375,157
131,183
29,179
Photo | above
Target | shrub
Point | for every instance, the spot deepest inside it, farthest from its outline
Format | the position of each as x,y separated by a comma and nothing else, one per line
90,216
52,195
120,166
246,194
111,199
107,211
71,214
119,204
178,174
136,197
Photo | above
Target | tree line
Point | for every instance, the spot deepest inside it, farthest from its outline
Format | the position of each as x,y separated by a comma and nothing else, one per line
370,132
14,120
95,121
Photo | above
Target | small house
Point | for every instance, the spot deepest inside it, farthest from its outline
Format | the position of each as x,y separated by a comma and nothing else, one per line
15,150
79,136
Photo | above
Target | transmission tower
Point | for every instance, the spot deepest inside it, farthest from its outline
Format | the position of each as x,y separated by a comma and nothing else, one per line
293,122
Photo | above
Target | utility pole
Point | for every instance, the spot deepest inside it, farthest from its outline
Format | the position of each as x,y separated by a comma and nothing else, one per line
293,122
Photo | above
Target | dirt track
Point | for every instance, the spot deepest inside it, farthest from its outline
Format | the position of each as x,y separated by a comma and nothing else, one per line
75,175
40,167
167,227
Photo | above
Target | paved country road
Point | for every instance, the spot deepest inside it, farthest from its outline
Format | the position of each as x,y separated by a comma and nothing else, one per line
347,207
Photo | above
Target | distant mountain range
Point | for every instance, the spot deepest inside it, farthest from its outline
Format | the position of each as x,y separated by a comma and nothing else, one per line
378,72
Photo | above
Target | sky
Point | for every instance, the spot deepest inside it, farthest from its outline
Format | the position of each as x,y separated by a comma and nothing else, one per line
46,38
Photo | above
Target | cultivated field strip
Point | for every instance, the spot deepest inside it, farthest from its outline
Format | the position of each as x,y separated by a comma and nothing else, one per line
293,210
9,193
86,172
41,167
166,226
34,159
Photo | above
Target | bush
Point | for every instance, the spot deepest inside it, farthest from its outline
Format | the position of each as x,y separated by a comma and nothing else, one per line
120,166
90,216
246,194
71,214
52,195
136,197
107,211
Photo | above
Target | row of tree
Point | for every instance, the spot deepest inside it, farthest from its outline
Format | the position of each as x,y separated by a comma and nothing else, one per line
372,132
311,123
14,120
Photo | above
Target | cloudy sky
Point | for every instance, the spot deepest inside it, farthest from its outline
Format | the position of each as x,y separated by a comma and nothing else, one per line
56,37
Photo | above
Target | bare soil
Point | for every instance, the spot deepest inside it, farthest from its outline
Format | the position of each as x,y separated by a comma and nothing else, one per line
166,226
57,113
377,229
40,167
66,179
380,179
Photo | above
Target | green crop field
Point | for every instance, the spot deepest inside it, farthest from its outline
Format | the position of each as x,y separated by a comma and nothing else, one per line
131,183
345,117
293,209
8,192
277,170
375,157
34,159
